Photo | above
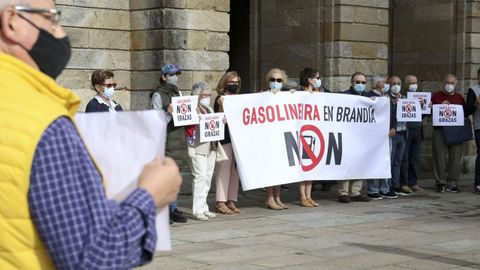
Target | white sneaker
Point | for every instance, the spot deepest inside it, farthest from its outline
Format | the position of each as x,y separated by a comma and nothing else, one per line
201,217
210,214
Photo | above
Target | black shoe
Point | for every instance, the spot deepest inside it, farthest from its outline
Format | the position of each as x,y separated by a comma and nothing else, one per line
452,189
400,191
389,195
171,221
374,196
344,199
477,189
284,187
360,198
177,216
440,188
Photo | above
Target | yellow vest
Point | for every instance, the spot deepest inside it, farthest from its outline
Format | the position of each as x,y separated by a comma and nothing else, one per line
29,102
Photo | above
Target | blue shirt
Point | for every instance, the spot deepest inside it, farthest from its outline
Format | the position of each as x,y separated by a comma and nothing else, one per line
78,225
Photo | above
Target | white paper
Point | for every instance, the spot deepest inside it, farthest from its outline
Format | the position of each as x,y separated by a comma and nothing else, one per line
212,127
408,110
425,96
290,137
121,144
185,110
447,115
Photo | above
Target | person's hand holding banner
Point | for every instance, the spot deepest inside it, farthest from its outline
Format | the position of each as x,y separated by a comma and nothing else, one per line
185,110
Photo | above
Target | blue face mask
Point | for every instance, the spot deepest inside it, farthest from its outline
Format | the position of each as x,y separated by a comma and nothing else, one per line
386,88
359,87
275,85
108,92
318,83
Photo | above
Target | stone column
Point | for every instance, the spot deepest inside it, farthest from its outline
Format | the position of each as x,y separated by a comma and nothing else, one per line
190,34
357,33
99,32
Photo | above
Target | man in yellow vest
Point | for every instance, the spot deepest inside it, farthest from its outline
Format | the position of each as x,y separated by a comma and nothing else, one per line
53,209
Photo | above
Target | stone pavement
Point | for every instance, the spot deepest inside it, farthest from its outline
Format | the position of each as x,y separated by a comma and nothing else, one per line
427,230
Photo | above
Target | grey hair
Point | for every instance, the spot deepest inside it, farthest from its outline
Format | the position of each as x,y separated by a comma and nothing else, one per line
7,3
200,87
378,78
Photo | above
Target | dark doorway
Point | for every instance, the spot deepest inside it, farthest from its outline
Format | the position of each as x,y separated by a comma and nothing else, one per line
240,41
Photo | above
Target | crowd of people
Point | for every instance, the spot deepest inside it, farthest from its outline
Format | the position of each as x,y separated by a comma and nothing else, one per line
54,213
405,139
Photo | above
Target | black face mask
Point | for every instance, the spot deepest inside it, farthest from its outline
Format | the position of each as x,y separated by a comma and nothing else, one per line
232,88
51,54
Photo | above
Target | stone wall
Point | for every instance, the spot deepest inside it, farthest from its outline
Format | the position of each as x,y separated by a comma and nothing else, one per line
135,38
99,32
338,37
431,38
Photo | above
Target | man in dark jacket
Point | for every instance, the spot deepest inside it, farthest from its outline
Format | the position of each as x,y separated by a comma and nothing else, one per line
349,190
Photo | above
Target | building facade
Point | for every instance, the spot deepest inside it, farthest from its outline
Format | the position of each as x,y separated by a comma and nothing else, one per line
428,38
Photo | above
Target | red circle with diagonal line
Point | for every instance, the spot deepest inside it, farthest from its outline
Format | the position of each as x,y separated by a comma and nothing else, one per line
447,113
315,159
183,108
213,124
408,108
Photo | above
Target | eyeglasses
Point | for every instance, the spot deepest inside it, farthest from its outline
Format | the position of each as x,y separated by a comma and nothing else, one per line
51,14
110,85
360,82
276,80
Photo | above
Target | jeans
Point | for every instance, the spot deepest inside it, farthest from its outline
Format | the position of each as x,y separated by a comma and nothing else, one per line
477,160
382,186
411,157
172,206
398,148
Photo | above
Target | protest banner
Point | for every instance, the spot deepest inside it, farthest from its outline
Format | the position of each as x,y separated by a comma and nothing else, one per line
121,144
447,115
212,127
425,96
291,137
185,110
409,110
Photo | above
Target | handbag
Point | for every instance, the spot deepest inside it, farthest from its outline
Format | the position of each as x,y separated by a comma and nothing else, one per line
458,134
221,155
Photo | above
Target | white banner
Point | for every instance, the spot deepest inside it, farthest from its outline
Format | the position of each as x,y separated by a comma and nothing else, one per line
291,137
425,96
408,110
185,110
447,115
121,144
212,127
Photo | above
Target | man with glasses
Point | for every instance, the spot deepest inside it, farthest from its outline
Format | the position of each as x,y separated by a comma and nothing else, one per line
349,190
53,209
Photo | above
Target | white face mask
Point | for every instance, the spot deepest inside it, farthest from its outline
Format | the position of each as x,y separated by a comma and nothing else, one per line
413,88
449,88
172,79
386,88
205,101
395,89
108,92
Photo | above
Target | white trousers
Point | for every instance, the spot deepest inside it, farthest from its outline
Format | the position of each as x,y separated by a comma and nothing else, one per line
202,170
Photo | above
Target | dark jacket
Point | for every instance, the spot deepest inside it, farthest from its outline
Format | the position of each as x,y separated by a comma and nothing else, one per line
351,91
95,106
167,91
